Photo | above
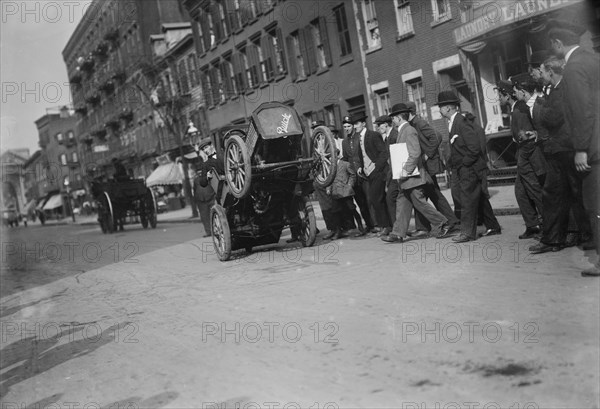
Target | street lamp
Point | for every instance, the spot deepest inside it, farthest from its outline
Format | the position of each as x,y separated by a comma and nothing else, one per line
68,189
194,136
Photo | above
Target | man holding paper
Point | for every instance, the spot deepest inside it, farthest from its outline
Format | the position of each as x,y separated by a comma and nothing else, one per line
410,176
467,161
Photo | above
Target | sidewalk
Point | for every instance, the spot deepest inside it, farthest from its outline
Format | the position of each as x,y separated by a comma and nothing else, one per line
502,199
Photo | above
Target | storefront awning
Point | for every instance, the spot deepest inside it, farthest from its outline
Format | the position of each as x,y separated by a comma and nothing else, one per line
54,202
492,15
168,174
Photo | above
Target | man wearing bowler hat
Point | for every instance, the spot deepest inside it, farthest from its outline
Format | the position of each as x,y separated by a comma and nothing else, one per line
352,153
467,162
581,94
374,167
389,133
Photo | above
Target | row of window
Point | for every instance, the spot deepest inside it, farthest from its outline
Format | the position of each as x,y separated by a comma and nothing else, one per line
70,137
62,158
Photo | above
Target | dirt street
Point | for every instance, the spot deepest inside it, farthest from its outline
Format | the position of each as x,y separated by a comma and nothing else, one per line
346,324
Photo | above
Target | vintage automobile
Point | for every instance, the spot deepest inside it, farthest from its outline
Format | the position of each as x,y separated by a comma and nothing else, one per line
269,168
118,199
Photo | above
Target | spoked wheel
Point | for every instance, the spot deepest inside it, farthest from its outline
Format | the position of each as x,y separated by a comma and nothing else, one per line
308,223
150,209
106,216
238,170
324,154
221,234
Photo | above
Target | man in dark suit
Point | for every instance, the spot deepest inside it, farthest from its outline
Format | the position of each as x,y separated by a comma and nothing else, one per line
467,163
411,188
430,143
375,167
352,154
581,91
562,188
389,133
531,166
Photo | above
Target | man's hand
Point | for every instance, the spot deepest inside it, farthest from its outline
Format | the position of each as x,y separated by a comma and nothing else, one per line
581,162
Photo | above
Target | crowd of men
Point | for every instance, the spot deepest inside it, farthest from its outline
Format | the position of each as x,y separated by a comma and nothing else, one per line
554,121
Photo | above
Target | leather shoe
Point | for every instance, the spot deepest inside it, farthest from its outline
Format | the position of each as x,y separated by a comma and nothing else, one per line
543,248
392,238
593,271
530,232
444,232
360,234
415,234
490,232
463,238
385,232
330,235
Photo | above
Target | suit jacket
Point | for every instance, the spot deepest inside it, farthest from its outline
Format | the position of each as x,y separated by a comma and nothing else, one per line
553,119
536,120
430,143
409,135
465,146
351,151
581,82
376,150
529,150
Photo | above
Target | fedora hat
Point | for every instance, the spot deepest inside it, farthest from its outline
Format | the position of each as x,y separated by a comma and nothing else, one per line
447,98
360,117
399,108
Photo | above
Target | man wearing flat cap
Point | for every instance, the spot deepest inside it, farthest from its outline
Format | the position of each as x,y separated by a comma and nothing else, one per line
467,162
352,153
375,167
581,93
531,165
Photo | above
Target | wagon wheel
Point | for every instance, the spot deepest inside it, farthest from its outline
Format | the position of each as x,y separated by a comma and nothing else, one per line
221,234
106,216
238,170
308,223
324,154
150,209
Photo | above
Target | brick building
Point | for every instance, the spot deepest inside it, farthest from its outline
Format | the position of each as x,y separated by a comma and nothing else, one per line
107,59
61,163
306,54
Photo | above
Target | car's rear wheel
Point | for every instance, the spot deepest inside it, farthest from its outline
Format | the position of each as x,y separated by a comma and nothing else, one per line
324,154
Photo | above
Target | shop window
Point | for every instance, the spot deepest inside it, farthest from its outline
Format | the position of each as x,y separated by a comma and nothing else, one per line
341,22
416,94
403,18
441,10
371,23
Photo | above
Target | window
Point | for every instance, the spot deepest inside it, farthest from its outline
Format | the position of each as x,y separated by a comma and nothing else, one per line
403,18
318,31
220,84
296,57
74,157
342,29
201,36
250,65
441,10
192,70
372,26
70,136
182,82
383,101
224,24
228,74
59,137
273,46
63,159
417,95
206,86
262,64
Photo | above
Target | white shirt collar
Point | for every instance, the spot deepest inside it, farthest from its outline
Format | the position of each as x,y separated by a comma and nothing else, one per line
451,121
567,55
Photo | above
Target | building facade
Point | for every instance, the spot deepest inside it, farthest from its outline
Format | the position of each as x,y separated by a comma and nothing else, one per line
61,171
306,54
108,58
12,195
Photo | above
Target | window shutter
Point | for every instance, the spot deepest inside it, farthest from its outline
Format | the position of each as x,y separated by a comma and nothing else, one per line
225,77
238,71
291,58
337,114
226,15
246,12
268,55
280,43
205,30
254,63
232,16
216,20
214,82
307,49
325,40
